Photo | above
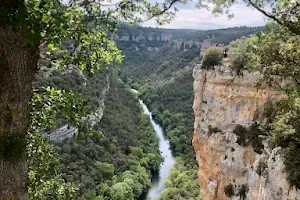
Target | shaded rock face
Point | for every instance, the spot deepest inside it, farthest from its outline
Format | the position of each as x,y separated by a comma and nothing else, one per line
222,101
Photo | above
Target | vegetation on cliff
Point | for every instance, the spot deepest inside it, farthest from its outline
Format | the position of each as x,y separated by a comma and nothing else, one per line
212,57
275,53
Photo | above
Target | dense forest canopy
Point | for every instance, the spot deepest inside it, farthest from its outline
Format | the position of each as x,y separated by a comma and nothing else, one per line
124,154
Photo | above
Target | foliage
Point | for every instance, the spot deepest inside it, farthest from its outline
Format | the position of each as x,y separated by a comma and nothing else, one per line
275,54
164,80
285,13
78,82
84,24
182,182
284,132
212,57
117,165
282,61
253,135
106,169
229,190
177,124
212,130
240,52
44,182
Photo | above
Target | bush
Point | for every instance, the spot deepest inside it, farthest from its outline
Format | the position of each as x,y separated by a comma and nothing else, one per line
229,190
213,56
212,130
241,133
252,136
291,162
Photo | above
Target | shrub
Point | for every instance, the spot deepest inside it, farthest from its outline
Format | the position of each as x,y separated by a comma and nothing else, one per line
213,56
291,162
252,136
212,130
229,190
241,133
261,167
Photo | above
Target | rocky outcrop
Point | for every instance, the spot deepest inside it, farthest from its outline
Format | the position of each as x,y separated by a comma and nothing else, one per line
222,101
166,38
66,132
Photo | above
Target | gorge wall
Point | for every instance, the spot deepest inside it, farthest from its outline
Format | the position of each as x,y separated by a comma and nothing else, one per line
180,39
222,101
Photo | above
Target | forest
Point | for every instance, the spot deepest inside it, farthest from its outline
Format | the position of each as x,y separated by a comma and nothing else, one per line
118,163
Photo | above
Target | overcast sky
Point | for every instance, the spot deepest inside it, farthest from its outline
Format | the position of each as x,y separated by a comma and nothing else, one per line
189,17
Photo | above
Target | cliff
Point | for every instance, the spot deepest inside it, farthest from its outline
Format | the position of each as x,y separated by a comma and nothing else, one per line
180,39
222,101
66,131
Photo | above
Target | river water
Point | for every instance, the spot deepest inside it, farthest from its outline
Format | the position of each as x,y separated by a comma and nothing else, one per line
157,184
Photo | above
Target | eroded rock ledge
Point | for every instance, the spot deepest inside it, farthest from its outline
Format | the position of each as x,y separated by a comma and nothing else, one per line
222,101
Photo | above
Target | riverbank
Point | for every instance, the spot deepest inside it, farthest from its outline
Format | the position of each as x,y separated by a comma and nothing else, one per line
157,184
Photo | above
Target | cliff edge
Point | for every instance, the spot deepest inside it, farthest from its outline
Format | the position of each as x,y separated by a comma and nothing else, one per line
223,100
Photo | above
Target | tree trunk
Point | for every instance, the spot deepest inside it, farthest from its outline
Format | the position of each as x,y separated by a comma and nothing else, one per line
18,64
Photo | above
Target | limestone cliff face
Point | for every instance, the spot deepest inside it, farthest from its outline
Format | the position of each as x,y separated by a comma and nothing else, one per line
224,100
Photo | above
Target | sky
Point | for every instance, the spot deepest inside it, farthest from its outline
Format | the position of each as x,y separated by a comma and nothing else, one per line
189,17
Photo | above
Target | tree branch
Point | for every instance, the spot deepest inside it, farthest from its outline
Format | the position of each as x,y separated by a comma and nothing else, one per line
264,12
163,11
286,23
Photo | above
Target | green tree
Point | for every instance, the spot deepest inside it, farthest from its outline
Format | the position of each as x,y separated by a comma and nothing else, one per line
74,33
106,169
122,190
212,57
285,12
182,182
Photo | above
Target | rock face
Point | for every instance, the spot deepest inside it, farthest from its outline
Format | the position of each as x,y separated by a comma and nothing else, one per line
66,132
184,44
222,101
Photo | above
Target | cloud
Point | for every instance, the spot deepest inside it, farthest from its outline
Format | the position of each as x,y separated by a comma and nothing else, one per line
189,17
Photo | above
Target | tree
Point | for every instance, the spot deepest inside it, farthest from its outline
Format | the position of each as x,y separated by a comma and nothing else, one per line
106,169
122,190
73,33
212,57
286,13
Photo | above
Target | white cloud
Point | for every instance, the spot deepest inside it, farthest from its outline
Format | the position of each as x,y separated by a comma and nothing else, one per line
193,18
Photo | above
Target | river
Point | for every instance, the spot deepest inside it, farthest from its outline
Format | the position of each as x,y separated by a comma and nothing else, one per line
157,184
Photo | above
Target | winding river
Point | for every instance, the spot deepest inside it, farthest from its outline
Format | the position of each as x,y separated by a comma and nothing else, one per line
157,184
